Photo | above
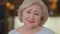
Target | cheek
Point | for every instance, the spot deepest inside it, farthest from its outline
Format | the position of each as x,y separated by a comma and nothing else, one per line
37,19
24,16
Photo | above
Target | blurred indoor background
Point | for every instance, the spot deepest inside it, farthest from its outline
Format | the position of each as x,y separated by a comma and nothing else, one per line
9,18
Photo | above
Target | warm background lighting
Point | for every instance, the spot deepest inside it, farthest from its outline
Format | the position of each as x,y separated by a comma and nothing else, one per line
9,5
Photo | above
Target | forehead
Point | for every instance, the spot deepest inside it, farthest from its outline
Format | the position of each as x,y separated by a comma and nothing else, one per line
35,7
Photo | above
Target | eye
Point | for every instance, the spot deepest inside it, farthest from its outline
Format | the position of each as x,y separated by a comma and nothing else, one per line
36,14
28,12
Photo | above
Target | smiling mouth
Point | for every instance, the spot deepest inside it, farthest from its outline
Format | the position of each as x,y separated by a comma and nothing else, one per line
30,21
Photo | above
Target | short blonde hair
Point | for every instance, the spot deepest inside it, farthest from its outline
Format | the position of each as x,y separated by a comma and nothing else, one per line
27,3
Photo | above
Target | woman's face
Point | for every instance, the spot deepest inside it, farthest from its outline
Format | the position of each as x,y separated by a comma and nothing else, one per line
31,15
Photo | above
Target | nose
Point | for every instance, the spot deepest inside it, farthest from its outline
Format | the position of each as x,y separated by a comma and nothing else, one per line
31,16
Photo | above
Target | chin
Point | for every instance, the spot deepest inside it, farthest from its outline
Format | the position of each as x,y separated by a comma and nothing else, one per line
29,25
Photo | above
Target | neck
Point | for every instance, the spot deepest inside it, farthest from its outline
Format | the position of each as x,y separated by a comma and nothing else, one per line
30,28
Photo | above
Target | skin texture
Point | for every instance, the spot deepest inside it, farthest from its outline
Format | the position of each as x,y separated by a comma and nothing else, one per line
31,17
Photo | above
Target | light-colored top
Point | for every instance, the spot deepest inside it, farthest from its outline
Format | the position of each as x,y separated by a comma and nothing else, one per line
43,31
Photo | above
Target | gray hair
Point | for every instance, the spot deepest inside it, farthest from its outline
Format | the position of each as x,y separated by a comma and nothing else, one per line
27,3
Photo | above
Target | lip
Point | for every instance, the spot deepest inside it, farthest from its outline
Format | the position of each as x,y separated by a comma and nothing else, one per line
30,21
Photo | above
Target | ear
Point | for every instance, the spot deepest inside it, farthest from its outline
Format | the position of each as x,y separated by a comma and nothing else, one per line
20,14
42,19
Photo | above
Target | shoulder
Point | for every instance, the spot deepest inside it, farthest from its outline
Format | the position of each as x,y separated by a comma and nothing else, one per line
13,32
46,31
49,31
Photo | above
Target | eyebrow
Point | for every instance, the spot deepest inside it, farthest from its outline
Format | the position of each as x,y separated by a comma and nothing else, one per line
30,9
37,11
34,10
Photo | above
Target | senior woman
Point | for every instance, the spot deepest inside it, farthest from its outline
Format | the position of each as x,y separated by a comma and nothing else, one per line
33,13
